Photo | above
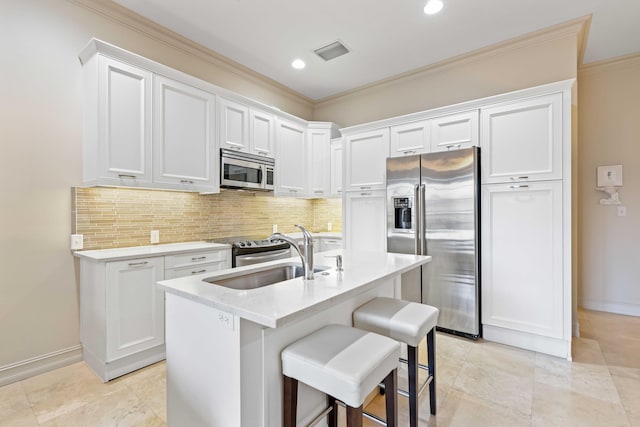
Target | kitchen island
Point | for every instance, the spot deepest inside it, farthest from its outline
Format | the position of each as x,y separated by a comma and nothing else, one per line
223,345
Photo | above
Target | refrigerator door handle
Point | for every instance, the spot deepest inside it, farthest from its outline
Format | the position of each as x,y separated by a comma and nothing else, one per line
421,220
416,226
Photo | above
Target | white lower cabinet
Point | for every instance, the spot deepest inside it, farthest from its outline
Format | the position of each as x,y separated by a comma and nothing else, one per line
365,221
122,311
329,244
135,307
522,264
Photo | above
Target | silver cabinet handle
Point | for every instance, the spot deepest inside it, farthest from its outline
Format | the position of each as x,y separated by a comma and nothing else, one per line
138,264
366,188
452,145
292,190
199,271
518,178
186,181
519,186
199,258
318,192
409,152
366,194
122,175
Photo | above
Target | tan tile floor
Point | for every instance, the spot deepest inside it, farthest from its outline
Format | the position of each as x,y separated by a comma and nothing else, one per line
479,384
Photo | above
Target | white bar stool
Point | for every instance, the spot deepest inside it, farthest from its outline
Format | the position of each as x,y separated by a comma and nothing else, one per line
406,322
345,363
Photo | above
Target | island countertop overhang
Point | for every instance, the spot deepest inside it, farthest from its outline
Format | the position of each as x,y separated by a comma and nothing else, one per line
284,302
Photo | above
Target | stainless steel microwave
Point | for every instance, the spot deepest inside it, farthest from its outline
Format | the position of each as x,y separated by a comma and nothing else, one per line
244,170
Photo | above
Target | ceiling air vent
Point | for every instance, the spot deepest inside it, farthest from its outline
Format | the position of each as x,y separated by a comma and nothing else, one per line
332,50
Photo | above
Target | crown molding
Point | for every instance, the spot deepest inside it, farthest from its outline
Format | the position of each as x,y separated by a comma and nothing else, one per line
572,28
609,64
127,18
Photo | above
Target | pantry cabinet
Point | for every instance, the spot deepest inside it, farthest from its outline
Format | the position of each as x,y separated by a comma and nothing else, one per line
335,184
365,220
117,124
184,137
522,140
522,257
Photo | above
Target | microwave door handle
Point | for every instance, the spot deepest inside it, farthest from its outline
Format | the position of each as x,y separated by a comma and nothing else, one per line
261,174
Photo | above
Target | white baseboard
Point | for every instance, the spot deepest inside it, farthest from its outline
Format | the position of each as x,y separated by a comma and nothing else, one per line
39,364
612,307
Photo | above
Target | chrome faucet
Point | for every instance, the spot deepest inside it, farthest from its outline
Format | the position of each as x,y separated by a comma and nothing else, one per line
307,257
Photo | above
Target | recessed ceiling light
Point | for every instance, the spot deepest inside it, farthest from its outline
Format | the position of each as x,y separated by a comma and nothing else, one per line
433,7
298,64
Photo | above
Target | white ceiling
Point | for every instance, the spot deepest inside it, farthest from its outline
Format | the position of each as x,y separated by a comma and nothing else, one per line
386,37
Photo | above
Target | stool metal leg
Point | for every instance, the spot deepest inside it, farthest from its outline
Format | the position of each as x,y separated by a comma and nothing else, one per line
391,398
289,401
354,416
431,357
412,365
332,420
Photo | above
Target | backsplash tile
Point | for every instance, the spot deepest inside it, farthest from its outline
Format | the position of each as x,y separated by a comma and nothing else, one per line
121,217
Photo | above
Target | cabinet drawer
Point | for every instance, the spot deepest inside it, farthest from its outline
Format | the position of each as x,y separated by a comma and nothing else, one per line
195,258
190,270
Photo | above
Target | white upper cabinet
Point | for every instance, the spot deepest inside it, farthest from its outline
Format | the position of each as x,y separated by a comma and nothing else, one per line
335,184
234,125
291,159
318,161
522,140
365,156
262,133
184,138
411,138
455,131
117,124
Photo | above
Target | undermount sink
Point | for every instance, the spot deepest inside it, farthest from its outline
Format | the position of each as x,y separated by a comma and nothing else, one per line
264,277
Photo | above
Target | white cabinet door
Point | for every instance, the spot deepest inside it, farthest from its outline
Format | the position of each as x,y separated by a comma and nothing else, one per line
522,260
523,140
291,170
410,138
262,133
184,139
366,164
123,131
455,131
135,306
318,162
335,184
234,125
365,221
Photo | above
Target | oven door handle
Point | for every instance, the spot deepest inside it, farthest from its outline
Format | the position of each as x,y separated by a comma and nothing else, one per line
264,256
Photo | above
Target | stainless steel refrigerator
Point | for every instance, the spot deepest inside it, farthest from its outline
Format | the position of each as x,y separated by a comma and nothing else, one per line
433,209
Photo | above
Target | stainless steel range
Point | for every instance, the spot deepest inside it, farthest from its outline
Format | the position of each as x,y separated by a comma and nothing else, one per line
247,252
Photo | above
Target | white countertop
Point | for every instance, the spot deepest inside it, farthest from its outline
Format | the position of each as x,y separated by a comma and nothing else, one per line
145,251
284,302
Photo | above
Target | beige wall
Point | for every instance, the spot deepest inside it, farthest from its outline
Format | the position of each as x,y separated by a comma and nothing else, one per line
121,217
609,134
533,61
40,160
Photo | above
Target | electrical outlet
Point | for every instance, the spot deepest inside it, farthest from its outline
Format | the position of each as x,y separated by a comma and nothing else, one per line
155,236
77,242
622,211
274,228
329,226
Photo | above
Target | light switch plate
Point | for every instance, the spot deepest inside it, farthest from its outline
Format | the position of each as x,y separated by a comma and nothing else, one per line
622,211
610,176
274,228
77,242
155,236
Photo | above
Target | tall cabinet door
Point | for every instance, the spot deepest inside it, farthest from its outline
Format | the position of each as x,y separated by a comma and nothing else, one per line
291,173
365,220
522,258
234,125
124,123
319,141
523,140
262,133
184,139
335,184
135,306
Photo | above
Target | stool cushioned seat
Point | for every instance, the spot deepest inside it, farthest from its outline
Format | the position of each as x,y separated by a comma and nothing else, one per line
404,321
331,360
